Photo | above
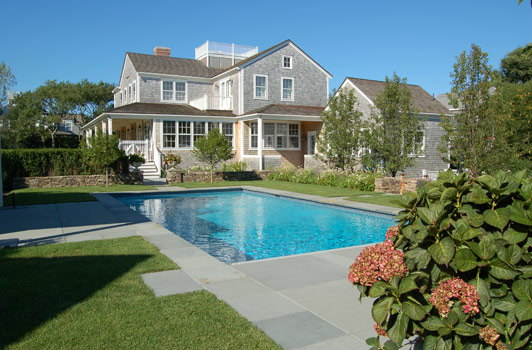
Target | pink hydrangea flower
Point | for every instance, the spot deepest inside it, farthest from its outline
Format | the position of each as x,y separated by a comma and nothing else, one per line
455,288
392,231
381,261
379,330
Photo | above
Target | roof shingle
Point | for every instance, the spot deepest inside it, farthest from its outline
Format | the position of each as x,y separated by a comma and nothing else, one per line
171,65
421,100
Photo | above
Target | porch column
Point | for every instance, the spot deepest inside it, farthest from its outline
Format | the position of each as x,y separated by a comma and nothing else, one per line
241,122
110,126
104,127
95,130
259,144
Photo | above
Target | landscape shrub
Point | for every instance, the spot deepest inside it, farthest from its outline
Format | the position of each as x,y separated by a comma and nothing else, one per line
457,270
359,180
49,162
235,166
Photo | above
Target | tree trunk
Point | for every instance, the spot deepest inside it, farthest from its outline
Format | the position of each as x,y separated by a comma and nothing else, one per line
212,174
106,177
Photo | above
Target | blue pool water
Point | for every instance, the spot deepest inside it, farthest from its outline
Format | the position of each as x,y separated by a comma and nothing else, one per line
243,225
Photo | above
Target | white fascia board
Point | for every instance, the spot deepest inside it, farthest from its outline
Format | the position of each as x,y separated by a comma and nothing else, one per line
286,117
169,116
123,68
174,77
310,59
94,121
226,73
265,53
357,89
115,90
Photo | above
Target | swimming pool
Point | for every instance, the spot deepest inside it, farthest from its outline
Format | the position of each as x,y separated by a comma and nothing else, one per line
240,225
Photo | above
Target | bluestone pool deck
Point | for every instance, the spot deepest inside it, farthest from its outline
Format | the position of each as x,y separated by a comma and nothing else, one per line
300,301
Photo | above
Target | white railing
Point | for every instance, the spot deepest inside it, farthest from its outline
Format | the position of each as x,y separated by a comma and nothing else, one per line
240,51
141,147
157,157
212,102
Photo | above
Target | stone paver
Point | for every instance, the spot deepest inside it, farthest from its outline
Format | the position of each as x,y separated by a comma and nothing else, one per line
170,282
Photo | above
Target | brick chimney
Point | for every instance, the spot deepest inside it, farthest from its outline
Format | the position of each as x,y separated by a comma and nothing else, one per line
161,51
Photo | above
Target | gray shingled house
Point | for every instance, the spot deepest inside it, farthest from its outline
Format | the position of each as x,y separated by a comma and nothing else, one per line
268,104
429,159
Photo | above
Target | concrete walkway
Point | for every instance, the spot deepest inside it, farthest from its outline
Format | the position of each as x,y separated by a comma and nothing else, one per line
301,302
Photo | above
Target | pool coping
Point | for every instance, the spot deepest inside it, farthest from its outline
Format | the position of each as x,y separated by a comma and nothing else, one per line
284,319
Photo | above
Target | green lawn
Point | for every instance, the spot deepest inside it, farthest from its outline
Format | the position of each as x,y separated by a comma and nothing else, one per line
28,196
90,295
318,190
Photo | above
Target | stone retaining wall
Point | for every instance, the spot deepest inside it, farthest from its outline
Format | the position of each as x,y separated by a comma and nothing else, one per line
396,185
205,176
133,178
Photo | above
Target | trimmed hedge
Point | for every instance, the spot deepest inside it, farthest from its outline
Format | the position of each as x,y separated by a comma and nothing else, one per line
48,162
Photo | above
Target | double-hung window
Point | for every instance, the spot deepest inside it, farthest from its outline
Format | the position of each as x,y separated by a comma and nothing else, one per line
282,133
199,130
129,98
288,89
168,134
174,91
419,142
134,91
227,130
261,87
254,134
287,62
121,99
184,135
269,135
293,135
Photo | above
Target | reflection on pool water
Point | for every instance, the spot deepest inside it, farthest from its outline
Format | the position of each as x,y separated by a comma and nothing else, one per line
244,225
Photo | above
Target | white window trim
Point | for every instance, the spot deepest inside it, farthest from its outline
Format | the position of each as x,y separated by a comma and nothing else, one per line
192,134
293,89
173,99
291,61
130,96
134,92
255,87
275,148
421,153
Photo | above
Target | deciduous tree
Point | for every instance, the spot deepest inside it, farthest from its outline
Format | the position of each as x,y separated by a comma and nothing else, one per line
395,128
7,81
475,135
212,149
340,138
516,66
102,152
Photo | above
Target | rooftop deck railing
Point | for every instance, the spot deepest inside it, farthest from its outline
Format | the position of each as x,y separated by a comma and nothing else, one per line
233,50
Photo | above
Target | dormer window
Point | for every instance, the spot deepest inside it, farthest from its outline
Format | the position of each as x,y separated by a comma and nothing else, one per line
174,91
287,62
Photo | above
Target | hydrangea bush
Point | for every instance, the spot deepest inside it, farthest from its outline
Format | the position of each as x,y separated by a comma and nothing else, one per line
456,272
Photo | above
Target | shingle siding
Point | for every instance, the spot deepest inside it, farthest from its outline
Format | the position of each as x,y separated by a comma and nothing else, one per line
129,75
310,82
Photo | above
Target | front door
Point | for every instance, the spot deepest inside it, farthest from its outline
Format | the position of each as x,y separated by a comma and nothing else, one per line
225,94
311,146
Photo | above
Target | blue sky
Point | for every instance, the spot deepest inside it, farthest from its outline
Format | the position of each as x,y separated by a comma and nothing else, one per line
71,40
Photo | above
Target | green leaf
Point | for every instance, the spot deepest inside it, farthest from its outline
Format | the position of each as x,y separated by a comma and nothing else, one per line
449,194
380,309
414,311
519,215
473,217
443,251
406,285
390,345
523,310
488,182
513,236
501,270
465,260
482,289
433,323
465,330
476,196
373,341
378,288
504,304
498,218
398,331
526,271
521,290
420,256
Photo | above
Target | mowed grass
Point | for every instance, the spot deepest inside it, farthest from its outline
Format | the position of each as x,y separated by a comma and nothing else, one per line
318,190
29,196
90,295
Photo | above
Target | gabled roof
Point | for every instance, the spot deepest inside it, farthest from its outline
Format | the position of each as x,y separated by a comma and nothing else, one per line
167,109
287,110
171,65
421,99
270,50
